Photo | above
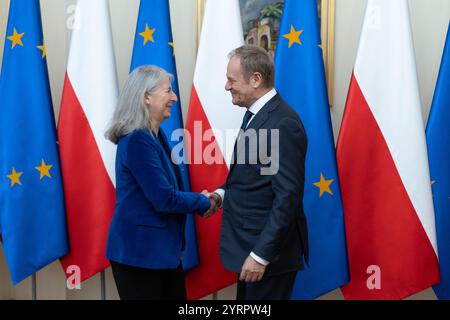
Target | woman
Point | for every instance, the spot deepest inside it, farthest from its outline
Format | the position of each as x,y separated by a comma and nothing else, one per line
146,235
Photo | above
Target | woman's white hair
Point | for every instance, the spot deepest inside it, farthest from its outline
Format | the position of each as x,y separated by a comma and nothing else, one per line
131,112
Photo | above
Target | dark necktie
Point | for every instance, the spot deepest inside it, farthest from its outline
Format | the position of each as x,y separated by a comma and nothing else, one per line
248,115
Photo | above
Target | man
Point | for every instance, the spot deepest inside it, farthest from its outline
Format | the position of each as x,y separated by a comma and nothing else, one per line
264,233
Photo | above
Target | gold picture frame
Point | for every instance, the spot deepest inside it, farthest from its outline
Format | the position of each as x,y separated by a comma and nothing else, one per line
327,11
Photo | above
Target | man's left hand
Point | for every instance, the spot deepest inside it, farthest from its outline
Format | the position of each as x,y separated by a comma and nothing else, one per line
252,271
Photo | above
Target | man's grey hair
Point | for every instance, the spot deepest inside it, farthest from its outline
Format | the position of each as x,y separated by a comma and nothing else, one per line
255,59
131,112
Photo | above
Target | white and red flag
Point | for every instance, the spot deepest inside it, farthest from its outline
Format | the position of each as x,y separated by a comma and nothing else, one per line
383,164
87,158
210,117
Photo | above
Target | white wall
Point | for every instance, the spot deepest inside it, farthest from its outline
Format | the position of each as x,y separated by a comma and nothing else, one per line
429,22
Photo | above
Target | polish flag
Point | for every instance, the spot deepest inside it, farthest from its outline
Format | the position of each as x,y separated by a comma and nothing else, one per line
210,117
383,164
87,158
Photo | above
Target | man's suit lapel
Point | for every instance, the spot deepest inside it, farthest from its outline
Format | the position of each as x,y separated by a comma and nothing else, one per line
257,122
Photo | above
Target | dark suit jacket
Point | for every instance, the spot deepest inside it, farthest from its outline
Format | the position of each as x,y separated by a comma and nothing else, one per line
264,213
147,229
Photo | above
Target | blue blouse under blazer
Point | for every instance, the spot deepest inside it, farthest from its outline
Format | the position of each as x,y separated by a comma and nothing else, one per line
147,229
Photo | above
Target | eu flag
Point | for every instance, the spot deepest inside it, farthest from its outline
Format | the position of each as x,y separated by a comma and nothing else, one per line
438,141
300,80
32,219
153,45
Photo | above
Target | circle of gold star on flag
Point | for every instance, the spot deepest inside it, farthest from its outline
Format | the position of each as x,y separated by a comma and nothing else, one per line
16,38
293,36
43,49
324,185
15,177
44,169
147,34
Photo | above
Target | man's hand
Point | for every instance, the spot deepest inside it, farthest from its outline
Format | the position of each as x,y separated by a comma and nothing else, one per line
252,271
215,200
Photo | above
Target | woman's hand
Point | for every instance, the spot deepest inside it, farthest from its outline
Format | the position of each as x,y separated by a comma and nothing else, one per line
215,200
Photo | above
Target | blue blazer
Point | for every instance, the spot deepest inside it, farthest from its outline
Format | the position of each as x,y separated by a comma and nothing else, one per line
147,229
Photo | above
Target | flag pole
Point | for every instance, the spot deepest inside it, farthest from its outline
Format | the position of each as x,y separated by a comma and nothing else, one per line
103,285
33,287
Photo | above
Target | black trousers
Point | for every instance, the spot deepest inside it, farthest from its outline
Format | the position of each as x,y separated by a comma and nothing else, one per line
149,284
277,287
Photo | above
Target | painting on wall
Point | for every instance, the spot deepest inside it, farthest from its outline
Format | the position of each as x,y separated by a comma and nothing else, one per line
261,22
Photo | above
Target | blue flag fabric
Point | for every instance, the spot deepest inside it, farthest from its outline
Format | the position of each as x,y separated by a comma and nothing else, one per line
300,80
153,45
32,217
438,141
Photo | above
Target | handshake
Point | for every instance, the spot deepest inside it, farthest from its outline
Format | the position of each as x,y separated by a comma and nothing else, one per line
216,203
